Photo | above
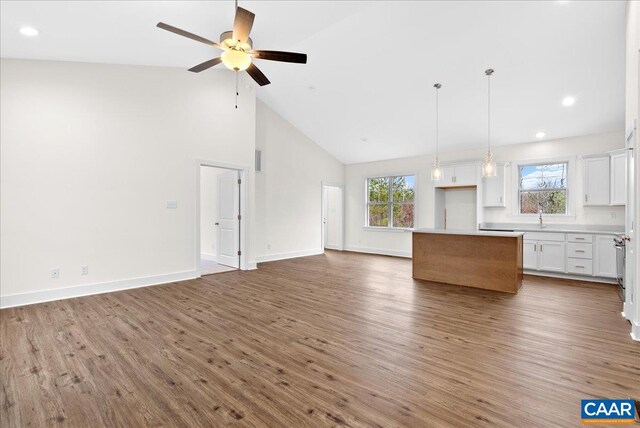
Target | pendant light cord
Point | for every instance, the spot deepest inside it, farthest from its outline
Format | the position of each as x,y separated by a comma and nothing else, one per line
437,86
437,123
489,72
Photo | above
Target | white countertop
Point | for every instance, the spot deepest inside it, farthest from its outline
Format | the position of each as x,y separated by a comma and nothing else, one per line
555,228
470,232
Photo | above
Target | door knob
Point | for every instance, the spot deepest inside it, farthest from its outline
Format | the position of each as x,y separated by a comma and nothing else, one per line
216,223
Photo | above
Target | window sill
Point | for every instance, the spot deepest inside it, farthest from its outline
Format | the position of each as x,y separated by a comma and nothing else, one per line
386,229
536,216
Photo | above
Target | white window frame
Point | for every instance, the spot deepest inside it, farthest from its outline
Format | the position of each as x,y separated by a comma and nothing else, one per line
571,183
390,203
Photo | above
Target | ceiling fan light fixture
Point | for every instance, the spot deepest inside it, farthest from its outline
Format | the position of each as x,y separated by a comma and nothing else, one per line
236,60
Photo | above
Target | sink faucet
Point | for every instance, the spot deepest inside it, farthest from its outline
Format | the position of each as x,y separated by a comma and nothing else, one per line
540,218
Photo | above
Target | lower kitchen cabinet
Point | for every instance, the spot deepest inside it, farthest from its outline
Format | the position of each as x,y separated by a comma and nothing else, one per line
572,253
551,256
530,255
544,255
605,257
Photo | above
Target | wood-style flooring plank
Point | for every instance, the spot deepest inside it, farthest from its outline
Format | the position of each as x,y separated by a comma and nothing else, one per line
340,339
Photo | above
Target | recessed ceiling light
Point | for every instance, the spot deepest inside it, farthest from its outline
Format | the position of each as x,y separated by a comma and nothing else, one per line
540,134
568,101
29,31
312,88
364,139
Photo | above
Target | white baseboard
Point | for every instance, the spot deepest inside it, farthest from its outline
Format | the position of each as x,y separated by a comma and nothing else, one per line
380,251
569,276
334,247
290,255
251,266
208,256
89,289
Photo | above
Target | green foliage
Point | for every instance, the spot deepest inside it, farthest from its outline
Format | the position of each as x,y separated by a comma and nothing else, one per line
551,202
395,191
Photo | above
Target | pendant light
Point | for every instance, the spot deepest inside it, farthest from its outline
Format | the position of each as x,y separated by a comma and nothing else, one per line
436,171
489,165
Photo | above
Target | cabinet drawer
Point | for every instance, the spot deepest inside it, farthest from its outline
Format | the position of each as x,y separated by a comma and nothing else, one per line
580,266
579,237
544,236
579,251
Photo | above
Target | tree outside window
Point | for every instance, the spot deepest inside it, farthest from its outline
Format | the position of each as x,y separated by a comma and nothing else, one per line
543,187
391,201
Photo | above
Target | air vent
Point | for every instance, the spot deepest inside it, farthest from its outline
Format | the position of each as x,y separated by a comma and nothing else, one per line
258,160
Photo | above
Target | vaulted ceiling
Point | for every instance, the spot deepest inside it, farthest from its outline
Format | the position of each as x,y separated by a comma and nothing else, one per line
367,91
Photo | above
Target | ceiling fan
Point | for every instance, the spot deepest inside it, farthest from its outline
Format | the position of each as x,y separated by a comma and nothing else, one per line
237,48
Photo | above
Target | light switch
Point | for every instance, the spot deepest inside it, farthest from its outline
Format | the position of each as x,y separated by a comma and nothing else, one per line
172,204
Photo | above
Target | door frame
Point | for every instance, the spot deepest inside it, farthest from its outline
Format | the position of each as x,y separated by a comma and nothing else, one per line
243,172
323,201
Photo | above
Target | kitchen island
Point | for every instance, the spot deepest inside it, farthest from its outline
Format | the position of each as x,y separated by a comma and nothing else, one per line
480,259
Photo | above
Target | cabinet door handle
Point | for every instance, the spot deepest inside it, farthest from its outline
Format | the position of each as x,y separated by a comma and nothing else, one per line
579,251
453,179
535,248
579,239
586,198
580,266
500,199
540,247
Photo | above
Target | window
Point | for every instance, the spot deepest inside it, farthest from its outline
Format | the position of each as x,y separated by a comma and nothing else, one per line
391,201
543,187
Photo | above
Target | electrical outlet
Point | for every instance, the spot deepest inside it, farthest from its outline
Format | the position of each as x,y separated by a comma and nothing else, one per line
55,273
84,270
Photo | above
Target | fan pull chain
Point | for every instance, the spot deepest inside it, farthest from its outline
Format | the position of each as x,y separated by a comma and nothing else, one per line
237,90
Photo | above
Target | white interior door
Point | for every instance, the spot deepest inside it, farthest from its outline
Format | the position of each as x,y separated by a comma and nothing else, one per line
332,217
228,223
630,300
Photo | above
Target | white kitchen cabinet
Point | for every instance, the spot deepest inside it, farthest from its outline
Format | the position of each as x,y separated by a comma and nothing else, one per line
551,256
596,184
465,175
544,255
493,189
530,255
458,175
618,167
605,257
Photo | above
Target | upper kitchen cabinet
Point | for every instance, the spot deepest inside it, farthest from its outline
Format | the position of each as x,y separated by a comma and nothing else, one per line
458,176
596,181
605,179
619,178
493,189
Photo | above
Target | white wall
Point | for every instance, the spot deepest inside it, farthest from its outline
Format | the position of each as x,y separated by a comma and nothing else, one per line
90,153
399,243
289,188
208,210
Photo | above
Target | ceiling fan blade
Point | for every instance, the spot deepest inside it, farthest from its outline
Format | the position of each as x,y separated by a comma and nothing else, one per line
298,58
205,65
257,75
187,34
242,24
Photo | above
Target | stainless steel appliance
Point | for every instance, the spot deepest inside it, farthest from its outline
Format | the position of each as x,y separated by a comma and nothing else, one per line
619,242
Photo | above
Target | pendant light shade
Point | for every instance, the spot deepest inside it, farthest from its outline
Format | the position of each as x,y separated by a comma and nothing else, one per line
436,171
489,165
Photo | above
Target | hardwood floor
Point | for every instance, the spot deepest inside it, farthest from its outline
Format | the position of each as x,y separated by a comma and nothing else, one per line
341,339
